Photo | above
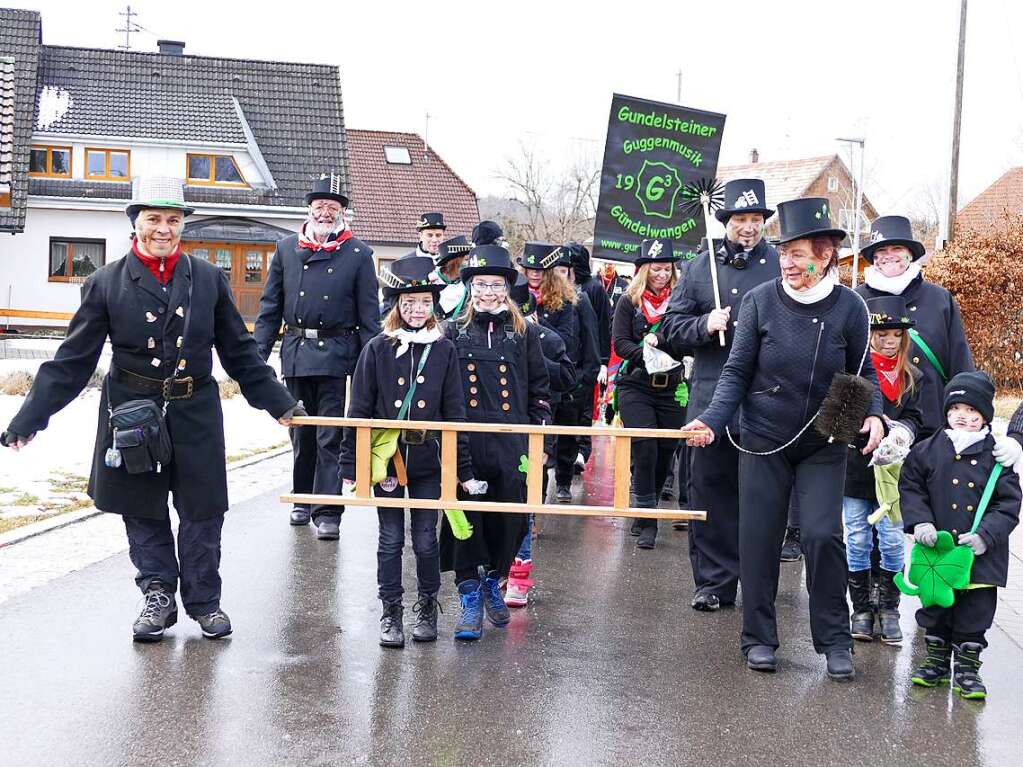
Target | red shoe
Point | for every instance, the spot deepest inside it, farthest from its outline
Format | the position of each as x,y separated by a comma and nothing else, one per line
517,592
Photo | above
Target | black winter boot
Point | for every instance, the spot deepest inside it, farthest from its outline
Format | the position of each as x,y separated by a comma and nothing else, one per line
888,609
967,681
863,612
392,633
791,550
425,610
647,527
935,669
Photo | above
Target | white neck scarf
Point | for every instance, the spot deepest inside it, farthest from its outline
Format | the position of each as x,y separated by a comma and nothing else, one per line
451,296
963,439
407,337
893,285
813,294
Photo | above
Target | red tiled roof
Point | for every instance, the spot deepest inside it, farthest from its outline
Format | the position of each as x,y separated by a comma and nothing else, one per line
388,198
783,179
989,207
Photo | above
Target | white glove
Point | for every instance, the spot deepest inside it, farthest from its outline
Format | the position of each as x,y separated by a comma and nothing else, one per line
687,366
602,375
347,489
925,533
650,338
900,434
1007,451
974,541
475,486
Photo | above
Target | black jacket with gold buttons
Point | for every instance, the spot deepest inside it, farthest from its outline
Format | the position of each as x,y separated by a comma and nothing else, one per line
379,386
331,291
943,488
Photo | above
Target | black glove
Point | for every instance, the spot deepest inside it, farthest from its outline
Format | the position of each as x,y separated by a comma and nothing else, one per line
8,438
297,411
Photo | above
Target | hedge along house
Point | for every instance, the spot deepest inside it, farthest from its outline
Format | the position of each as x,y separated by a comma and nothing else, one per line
247,137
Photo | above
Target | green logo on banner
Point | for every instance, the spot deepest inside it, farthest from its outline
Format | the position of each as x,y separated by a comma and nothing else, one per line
658,187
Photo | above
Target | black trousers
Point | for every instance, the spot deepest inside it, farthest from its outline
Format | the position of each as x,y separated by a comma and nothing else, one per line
197,564
965,621
391,540
571,411
714,544
316,448
586,419
644,407
814,472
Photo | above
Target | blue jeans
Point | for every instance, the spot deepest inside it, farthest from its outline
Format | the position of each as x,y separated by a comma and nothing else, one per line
858,543
391,540
526,549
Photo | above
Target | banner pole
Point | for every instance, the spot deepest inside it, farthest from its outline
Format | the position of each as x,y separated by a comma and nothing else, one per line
705,199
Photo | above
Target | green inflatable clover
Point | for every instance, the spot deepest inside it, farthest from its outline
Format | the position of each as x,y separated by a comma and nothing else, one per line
524,464
937,572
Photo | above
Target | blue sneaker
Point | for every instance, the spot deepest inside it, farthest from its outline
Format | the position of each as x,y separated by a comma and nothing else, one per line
470,625
493,601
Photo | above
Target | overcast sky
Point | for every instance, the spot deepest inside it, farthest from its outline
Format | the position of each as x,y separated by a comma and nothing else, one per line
790,75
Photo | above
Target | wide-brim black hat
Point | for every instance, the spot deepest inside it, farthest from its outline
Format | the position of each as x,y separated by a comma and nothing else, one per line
409,274
889,313
805,218
455,247
489,259
540,255
327,188
892,230
744,195
657,250
430,221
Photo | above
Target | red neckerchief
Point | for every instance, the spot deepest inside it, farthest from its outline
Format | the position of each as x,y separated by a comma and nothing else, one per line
535,293
654,304
891,385
153,263
304,241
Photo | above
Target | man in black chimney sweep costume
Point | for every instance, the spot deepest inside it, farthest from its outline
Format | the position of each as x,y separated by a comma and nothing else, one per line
163,311
323,285
430,227
745,260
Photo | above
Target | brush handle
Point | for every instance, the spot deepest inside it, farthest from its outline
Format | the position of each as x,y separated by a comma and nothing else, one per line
713,263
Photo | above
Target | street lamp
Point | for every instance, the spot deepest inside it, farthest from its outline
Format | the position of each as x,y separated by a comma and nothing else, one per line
859,205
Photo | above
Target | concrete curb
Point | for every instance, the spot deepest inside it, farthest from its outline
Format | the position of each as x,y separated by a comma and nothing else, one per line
58,521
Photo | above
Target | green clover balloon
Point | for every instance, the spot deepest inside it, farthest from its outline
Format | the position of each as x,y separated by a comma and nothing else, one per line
935,573
524,464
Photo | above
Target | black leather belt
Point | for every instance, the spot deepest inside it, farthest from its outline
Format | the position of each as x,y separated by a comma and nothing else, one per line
656,380
418,436
167,388
318,332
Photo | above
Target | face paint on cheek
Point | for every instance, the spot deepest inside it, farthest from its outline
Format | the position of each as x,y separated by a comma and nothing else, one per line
811,269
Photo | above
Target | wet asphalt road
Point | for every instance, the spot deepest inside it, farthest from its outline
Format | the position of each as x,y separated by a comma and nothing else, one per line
608,665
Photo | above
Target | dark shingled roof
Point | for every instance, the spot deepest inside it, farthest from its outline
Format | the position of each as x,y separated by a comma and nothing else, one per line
20,39
388,199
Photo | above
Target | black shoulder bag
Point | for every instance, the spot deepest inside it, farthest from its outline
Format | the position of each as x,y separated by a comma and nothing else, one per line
141,442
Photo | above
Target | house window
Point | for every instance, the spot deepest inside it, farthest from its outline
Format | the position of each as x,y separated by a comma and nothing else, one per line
74,260
50,161
397,155
832,184
108,164
213,170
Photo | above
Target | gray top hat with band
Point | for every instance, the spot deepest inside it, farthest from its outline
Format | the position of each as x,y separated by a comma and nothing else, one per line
804,218
327,188
160,192
892,230
744,195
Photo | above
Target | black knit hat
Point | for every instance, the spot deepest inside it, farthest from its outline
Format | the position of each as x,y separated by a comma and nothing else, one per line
974,389
486,233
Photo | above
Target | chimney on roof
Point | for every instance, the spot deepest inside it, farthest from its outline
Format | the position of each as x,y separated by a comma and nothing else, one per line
754,156
171,47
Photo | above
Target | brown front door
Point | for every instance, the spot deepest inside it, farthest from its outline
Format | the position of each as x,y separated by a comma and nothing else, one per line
245,265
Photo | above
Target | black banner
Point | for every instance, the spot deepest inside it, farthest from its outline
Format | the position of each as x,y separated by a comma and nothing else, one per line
653,151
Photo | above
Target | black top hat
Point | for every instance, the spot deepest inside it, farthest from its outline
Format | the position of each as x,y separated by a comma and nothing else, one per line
892,230
486,233
660,250
327,188
410,274
889,313
430,221
744,195
806,217
451,248
521,296
540,255
489,259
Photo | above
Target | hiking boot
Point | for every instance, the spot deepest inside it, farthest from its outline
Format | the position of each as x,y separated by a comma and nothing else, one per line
647,534
493,601
563,494
425,610
936,666
791,551
635,527
328,530
392,633
760,657
840,665
470,624
159,613
967,681
516,593
299,516
214,625
707,603
862,623
888,609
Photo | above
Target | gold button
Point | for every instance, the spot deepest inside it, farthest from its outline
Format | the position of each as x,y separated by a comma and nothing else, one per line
955,481
969,508
397,403
955,506
401,382
472,403
959,458
320,343
506,407
916,360
969,484
421,379
504,393
503,368
473,378
473,390
330,270
301,292
306,267
421,404
471,366
504,382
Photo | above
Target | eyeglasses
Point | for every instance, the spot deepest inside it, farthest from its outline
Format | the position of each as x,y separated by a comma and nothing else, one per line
489,287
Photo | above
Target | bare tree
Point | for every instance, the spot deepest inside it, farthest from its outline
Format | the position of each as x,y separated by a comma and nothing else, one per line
925,212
